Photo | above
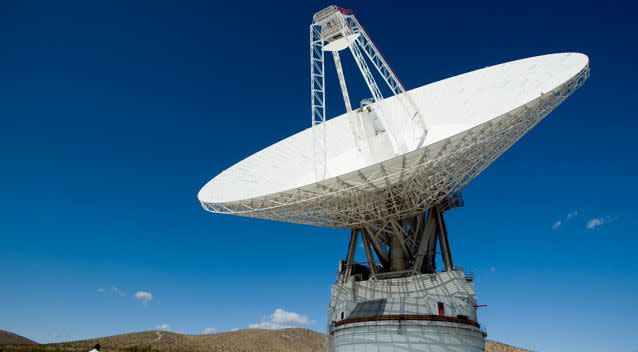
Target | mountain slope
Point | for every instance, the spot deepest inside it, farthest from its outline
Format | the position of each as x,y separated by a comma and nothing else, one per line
9,338
493,346
286,340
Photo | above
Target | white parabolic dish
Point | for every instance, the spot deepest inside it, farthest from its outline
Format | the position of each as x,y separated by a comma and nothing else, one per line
473,118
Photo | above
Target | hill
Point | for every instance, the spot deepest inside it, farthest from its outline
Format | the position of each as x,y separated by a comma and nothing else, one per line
9,338
493,346
252,340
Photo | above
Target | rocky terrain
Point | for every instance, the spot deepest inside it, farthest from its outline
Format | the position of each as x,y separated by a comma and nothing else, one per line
253,340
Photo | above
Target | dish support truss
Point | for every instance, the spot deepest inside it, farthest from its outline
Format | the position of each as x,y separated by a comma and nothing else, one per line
338,27
405,185
401,247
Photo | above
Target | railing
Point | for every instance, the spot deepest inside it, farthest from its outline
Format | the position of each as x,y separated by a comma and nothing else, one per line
424,317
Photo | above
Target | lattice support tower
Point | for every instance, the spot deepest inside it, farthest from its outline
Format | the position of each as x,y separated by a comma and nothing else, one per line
335,29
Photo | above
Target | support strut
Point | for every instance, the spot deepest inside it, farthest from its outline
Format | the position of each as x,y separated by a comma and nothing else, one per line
445,245
334,29
405,247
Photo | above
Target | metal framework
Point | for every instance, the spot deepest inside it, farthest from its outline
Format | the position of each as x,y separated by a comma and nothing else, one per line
318,101
339,27
354,121
407,184
379,62
401,247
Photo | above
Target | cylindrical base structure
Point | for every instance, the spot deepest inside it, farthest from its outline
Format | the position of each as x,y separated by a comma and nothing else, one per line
407,336
424,312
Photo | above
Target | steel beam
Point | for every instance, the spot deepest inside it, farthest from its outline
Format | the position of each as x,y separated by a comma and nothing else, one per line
369,256
446,254
318,101
352,251
424,259
397,254
377,246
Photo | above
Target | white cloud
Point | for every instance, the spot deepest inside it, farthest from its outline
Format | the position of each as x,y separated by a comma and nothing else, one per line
234,329
163,327
572,215
557,225
144,296
210,331
595,222
100,290
492,269
282,319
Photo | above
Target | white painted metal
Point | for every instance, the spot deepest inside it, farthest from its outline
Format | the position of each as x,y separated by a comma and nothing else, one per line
416,120
341,43
408,336
473,118
390,125
416,295
341,30
355,121
342,81
318,102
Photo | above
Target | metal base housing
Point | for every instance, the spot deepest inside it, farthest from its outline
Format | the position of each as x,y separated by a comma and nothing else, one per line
409,336
427,312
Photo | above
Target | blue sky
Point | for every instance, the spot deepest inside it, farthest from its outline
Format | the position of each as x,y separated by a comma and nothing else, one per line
114,114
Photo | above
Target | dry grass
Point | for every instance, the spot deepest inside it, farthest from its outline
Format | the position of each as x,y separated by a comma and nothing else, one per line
286,340
493,346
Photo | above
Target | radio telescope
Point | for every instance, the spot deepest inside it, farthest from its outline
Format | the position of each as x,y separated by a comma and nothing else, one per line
388,170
